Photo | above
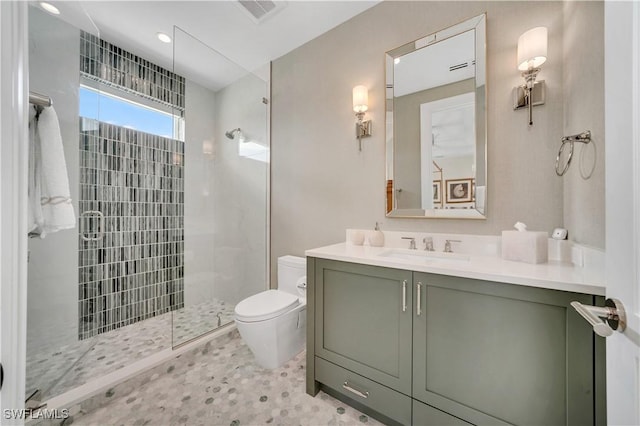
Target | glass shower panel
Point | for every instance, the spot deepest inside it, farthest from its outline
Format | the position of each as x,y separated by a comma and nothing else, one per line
100,295
226,157
54,349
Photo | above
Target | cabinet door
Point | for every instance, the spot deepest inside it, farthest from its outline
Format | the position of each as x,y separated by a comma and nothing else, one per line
362,323
494,353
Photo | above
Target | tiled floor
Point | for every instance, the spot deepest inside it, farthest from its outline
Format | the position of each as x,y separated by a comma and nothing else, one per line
217,384
55,370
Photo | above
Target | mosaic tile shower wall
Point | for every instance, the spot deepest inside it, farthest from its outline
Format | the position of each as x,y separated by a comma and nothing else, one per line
108,64
132,266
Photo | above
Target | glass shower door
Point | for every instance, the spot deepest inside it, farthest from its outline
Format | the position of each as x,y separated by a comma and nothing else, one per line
226,186
54,349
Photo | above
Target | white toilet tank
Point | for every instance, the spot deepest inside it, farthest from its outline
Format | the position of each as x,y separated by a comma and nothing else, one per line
290,270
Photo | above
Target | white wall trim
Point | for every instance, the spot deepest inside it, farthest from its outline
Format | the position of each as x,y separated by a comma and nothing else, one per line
622,206
635,139
13,203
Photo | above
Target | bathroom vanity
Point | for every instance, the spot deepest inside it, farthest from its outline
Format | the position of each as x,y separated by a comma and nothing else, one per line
432,338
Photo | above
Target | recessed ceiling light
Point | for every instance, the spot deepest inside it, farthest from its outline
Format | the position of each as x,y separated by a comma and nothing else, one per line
49,8
164,38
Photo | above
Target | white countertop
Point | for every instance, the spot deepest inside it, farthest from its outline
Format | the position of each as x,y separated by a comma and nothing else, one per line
553,275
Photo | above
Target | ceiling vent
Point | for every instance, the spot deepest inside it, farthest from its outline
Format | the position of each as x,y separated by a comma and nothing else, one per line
260,10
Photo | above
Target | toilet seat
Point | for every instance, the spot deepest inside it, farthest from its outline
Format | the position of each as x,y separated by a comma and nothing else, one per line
265,305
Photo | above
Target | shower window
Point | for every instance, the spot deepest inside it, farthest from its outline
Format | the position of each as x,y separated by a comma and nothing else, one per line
113,109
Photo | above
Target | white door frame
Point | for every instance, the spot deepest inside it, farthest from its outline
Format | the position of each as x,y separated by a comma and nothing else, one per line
622,136
623,211
13,204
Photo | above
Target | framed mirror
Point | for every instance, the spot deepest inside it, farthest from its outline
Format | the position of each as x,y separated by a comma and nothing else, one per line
436,137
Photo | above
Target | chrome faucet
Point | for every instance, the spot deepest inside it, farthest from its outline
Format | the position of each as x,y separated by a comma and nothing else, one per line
412,242
447,245
428,243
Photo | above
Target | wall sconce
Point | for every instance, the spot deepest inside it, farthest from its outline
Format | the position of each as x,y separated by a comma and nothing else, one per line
532,53
360,106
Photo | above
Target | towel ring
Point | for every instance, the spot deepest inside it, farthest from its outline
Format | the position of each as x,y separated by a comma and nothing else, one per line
584,137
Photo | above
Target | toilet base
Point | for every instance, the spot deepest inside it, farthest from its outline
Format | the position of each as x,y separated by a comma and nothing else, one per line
275,341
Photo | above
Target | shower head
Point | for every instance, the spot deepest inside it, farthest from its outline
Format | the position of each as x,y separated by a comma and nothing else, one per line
232,133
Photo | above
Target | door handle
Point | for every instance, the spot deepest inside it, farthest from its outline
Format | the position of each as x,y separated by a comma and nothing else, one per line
362,394
1,375
613,312
418,297
404,296
92,217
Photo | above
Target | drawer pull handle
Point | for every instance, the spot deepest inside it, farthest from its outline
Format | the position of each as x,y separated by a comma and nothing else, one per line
404,296
418,306
361,394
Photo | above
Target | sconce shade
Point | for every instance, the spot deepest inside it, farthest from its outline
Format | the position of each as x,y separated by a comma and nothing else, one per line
532,48
360,99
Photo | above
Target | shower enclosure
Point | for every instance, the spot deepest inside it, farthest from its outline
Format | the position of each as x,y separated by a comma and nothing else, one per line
172,217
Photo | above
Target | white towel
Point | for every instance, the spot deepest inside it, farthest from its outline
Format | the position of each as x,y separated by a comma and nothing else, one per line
49,197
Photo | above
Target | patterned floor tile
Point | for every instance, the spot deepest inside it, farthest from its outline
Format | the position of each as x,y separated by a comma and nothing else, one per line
217,384
55,370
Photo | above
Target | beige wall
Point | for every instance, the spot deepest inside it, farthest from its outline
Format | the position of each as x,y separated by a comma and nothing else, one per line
583,75
321,184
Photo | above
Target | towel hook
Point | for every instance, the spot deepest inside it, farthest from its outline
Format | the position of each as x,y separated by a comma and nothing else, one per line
584,137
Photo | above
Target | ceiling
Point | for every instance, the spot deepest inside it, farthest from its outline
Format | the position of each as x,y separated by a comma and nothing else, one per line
213,39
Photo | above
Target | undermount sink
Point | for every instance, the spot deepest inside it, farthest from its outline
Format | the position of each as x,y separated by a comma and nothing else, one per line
422,256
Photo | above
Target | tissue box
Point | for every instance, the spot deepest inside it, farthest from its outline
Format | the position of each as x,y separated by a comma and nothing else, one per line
525,246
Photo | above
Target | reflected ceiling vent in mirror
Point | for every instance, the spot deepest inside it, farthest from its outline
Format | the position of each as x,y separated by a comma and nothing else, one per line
260,10
457,67
462,65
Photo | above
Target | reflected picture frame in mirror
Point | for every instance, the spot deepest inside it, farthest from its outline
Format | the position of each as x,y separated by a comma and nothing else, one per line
436,125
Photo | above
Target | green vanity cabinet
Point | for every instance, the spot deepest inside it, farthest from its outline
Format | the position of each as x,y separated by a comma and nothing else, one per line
426,415
495,353
363,321
427,349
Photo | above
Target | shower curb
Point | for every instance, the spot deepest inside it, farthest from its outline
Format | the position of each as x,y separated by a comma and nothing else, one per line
98,393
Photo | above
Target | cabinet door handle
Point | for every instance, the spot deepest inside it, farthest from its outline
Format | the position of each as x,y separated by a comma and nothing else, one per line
361,394
418,306
404,296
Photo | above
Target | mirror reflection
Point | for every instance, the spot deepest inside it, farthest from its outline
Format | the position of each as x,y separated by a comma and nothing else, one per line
436,142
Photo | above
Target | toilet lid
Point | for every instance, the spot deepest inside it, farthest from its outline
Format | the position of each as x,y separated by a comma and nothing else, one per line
265,305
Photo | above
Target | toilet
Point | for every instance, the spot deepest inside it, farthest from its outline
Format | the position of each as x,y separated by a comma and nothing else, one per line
272,323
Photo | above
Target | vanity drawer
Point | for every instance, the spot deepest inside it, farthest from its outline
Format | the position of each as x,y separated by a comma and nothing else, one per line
426,415
380,398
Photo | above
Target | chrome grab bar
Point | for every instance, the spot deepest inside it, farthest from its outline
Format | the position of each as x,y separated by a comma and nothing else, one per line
613,313
351,389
